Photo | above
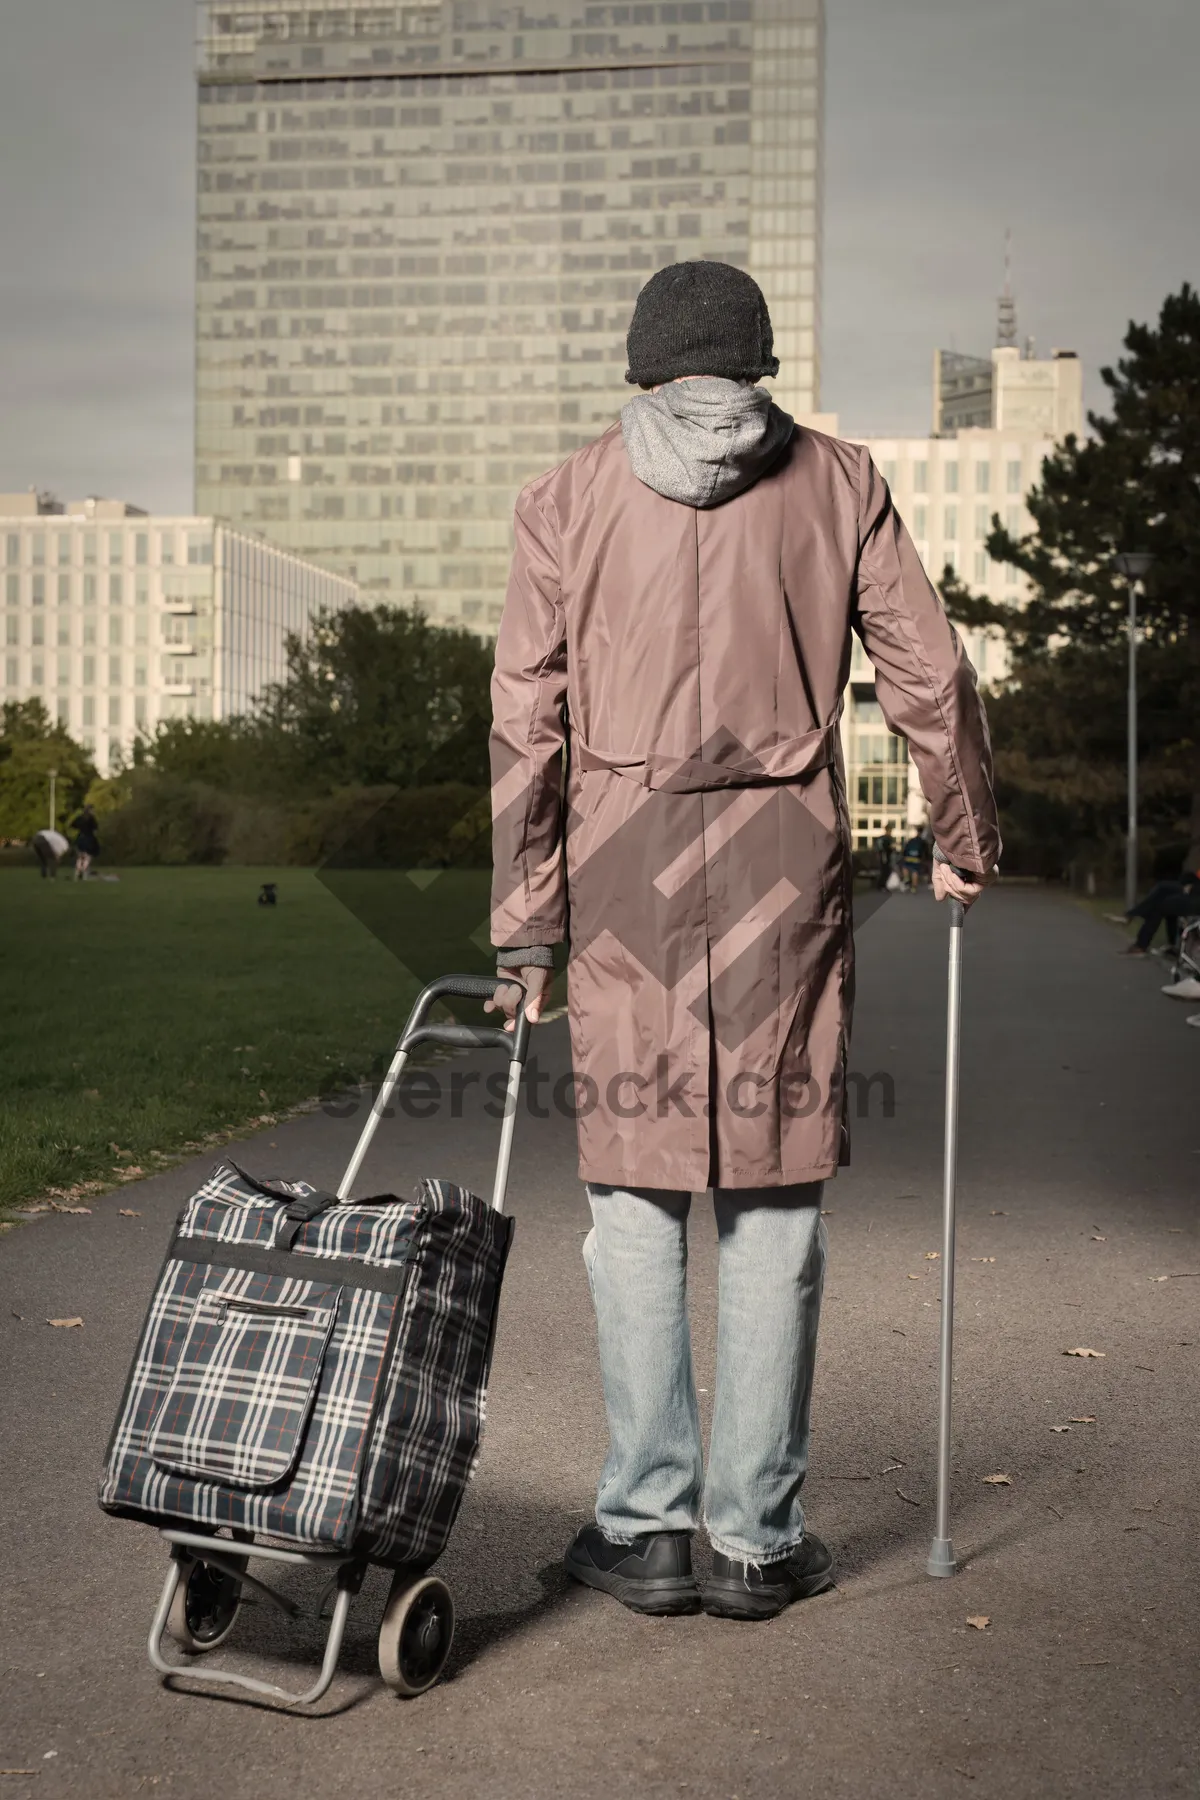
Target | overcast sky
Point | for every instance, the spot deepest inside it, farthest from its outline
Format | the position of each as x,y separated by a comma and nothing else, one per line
1073,121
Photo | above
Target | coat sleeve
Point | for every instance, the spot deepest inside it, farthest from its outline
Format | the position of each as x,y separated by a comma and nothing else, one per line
528,739
925,684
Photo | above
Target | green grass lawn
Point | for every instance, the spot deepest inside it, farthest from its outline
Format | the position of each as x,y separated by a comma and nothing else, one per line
160,1012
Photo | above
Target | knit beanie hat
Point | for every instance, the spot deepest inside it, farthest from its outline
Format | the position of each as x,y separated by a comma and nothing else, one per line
700,318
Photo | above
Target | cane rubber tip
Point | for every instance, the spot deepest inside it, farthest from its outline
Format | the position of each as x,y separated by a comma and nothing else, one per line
941,1559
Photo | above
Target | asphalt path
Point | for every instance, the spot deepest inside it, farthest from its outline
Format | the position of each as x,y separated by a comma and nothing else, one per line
1080,1172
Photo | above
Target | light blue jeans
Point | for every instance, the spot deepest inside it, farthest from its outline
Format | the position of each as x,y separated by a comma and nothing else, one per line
771,1263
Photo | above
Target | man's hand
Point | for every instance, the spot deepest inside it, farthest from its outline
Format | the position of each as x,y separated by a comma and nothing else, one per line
534,985
948,884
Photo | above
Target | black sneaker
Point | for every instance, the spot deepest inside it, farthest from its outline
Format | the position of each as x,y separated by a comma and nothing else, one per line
651,1575
746,1590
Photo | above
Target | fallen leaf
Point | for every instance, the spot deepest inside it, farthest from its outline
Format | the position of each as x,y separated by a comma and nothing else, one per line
983,1259
130,1174
1060,1428
67,1324
999,1213
56,1207
933,1256
980,1621
1158,1278
827,1212
1081,1352
997,1480
127,1212
1098,1237
914,1278
1084,1419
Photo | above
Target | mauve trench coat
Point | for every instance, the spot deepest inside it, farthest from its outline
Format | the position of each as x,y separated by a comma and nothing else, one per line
668,794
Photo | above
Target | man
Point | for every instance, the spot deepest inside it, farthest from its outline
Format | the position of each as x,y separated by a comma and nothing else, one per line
1168,901
667,777
49,847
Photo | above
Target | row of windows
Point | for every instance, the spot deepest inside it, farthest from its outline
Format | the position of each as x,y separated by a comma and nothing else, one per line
982,477
950,515
70,547
91,671
177,628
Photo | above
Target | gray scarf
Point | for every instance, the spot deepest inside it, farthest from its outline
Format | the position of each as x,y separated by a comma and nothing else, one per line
703,441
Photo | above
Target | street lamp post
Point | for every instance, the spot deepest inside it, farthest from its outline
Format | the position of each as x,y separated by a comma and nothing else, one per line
1134,565
53,785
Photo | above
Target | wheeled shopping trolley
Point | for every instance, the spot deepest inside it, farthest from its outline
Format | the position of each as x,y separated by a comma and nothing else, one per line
309,1388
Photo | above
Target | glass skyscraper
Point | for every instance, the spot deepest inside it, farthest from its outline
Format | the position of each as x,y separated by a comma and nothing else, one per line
422,226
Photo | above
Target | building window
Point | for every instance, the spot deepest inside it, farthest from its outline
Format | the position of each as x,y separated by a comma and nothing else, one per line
12,552
39,590
38,632
63,710
1013,478
983,477
981,521
950,522
141,552
12,590
1010,574
64,590
114,671
139,712
981,565
89,546
10,672
889,473
950,558
920,478
141,595
89,677
116,590
12,634
89,590
114,711
950,477
199,547
89,710
166,547
920,521
139,672
89,631
114,631
37,547
116,546
64,628
64,547
38,672
64,671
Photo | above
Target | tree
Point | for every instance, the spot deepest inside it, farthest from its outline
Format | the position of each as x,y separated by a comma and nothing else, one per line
30,746
1134,485
380,695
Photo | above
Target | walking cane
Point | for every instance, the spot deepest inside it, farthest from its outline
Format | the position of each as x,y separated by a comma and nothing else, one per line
942,1560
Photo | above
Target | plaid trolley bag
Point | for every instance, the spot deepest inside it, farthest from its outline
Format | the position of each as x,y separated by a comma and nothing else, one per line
313,1370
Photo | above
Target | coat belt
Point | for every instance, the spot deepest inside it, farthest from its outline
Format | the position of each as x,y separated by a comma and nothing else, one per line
789,761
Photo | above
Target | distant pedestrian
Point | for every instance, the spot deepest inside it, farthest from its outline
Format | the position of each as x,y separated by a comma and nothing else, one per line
885,849
913,860
87,842
49,847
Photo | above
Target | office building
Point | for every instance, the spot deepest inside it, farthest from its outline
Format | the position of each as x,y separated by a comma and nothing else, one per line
948,488
115,619
421,231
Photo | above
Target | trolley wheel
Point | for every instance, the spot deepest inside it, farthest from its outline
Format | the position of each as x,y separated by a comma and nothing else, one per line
416,1633
204,1608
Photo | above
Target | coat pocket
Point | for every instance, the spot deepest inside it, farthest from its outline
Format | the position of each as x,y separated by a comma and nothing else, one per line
247,1377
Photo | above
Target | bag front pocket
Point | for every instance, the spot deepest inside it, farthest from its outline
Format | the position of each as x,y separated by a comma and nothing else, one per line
246,1379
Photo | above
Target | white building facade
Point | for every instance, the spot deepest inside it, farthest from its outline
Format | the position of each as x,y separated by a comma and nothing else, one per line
117,620
948,489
